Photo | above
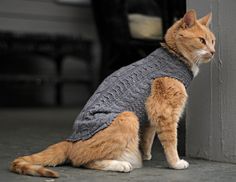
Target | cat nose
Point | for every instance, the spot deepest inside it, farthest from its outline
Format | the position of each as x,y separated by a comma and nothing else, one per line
212,52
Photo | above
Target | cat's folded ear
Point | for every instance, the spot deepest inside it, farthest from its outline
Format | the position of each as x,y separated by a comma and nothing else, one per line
189,19
206,20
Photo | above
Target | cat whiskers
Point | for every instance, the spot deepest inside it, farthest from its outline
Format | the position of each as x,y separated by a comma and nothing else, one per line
197,59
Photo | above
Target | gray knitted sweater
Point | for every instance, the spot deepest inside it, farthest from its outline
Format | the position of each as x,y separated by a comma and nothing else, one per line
127,90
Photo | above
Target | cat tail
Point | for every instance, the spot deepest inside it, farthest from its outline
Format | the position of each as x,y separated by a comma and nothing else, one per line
33,164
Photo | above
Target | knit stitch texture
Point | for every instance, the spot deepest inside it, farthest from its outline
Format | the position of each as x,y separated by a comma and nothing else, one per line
127,90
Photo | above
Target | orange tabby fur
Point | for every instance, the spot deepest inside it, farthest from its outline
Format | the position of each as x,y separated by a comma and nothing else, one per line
164,108
116,148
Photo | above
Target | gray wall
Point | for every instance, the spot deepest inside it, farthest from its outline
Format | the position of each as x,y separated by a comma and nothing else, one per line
211,113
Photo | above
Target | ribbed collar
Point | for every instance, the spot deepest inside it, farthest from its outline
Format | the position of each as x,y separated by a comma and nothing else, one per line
185,74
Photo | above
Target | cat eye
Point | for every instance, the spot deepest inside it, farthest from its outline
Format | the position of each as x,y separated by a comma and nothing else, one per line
202,40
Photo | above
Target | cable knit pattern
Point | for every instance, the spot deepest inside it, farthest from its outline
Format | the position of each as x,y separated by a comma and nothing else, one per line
127,90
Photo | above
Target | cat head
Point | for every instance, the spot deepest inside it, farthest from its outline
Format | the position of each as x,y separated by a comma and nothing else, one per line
191,38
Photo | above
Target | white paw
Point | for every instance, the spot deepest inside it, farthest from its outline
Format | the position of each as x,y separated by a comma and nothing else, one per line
124,166
181,164
147,157
120,166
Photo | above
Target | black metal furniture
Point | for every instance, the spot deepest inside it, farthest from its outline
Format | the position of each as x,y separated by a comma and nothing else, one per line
54,47
118,47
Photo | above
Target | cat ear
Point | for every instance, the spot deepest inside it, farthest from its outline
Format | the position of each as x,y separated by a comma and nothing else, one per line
206,20
189,19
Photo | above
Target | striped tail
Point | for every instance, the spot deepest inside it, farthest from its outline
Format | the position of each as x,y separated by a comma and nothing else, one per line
34,164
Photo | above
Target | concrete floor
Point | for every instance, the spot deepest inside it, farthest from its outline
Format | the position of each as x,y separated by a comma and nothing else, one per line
25,131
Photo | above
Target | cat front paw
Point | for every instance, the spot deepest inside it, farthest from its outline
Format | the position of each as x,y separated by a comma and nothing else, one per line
147,157
181,164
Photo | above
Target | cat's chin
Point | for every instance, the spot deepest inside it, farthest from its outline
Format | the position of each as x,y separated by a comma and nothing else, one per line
207,60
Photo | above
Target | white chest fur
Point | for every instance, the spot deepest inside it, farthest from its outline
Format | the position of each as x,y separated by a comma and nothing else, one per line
195,70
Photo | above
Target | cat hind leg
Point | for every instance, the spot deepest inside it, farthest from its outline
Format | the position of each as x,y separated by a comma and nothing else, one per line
122,144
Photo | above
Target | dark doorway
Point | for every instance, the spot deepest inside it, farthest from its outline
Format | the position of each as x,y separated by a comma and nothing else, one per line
129,29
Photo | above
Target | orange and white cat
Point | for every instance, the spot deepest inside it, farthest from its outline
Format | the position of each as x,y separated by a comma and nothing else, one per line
116,148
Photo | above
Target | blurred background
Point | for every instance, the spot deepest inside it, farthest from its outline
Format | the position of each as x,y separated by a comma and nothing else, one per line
55,52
